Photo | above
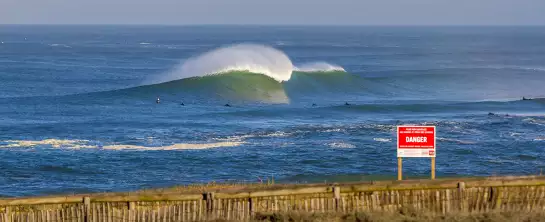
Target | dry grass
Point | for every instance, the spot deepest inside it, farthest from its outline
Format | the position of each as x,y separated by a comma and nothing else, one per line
400,216
213,186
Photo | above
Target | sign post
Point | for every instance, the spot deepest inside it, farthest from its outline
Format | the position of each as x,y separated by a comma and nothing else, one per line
415,141
399,168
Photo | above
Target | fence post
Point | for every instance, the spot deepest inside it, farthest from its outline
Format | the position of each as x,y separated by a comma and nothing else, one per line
209,198
337,196
461,195
87,205
131,205
498,195
8,214
251,207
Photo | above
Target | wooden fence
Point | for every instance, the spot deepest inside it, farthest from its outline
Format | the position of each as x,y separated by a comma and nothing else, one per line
437,196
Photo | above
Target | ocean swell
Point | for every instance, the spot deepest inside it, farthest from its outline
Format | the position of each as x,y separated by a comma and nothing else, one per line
252,58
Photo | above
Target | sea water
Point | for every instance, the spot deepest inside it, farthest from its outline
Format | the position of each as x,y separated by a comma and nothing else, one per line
78,109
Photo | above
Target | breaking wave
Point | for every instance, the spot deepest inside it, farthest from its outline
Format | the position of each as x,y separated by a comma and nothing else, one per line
251,58
86,144
252,72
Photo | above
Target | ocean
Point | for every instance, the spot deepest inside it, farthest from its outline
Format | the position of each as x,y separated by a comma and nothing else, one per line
300,104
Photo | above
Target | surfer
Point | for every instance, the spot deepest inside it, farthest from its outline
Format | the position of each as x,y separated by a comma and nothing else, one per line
524,98
491,114
182,104
158,100
347,104
227,105
314,104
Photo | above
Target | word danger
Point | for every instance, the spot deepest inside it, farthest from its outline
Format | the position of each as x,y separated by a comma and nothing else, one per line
417,139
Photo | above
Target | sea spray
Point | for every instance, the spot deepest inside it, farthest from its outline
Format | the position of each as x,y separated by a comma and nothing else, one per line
243,57
318,67
252,58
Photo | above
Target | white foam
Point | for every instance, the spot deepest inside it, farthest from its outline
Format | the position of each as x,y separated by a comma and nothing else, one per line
277,134
535,121
56,143
466,142
86,144
177,146
341,145
533,68
243,57
145,43
238,138
60,45
331,130
385,140
382,127
253,58
318,67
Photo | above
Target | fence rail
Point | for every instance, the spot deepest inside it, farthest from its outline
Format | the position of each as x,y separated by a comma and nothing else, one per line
437,196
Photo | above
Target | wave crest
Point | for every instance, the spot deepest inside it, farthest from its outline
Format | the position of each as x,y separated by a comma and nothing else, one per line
243,57
319,67
86,144
250,58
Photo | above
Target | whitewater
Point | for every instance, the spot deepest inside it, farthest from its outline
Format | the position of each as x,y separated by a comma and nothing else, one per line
78,111
252,58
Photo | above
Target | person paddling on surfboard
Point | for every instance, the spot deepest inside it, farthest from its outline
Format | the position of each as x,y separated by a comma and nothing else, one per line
158,100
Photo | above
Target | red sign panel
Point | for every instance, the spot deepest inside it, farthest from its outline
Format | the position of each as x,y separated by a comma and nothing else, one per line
416,141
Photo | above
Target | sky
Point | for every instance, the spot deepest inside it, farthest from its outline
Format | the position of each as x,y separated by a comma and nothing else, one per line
275,12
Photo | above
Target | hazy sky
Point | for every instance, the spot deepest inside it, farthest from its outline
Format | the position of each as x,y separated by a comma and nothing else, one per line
331,12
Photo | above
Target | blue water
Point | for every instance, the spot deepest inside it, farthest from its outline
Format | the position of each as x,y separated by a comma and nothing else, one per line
78,109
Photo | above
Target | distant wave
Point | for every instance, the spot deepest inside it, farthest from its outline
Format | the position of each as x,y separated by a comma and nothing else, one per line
341,145
252,72
384,140
318,67
252,58
531,68
86,144
427,107
55,143
178,146
60,45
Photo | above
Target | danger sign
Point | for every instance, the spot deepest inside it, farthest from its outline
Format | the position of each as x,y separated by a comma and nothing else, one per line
416,141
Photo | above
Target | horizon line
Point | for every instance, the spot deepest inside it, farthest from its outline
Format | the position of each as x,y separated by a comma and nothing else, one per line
270,24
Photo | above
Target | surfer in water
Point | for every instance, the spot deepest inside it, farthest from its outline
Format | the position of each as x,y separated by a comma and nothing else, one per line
524,98
314,104
347,104
158,100
182,104
227,105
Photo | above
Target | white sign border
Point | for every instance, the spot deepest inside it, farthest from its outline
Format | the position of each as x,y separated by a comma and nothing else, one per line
418,150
